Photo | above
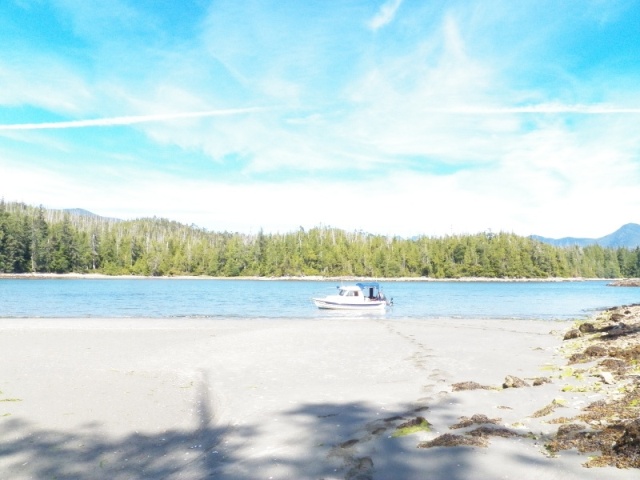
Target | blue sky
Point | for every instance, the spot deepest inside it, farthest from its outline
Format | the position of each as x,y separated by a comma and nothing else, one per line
399,117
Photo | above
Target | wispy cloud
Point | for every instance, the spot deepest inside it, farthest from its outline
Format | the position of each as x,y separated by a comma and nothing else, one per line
385,15
128,120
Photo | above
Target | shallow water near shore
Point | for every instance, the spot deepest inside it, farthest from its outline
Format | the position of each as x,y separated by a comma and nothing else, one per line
215,298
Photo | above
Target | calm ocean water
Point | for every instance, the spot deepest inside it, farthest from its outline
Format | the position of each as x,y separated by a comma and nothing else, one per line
163,298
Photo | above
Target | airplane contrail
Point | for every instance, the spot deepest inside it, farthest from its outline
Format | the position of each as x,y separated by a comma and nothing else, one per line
459,110
128,120
540,108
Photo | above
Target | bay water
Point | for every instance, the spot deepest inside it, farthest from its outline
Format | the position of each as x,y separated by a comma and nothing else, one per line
238,298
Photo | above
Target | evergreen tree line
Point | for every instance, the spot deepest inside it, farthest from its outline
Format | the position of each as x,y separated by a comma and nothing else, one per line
39,240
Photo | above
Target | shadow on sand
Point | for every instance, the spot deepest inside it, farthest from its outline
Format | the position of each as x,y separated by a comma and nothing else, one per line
29,452
352,441
344,438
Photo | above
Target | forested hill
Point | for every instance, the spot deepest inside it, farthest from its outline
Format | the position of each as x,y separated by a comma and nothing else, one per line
35,239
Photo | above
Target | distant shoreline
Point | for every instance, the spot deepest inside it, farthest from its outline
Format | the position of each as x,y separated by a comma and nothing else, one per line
309,278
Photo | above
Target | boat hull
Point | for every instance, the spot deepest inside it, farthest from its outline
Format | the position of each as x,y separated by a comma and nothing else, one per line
332,305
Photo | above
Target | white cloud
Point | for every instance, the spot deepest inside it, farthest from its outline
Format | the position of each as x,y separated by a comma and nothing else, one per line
409,105
44,82
522,195
97,21
385,14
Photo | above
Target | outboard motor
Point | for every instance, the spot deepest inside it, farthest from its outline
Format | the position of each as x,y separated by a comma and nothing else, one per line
387,301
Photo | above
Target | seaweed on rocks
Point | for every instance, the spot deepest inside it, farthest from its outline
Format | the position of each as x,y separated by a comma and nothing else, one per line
609,426
450,440
457,387
477,419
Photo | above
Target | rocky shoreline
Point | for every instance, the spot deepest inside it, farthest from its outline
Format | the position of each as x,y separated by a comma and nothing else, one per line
309,278
608,350
601,377
626,282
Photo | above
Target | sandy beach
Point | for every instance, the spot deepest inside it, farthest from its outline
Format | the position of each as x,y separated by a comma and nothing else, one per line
288,399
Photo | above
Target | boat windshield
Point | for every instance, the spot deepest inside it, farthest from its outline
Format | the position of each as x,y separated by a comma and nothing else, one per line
349,293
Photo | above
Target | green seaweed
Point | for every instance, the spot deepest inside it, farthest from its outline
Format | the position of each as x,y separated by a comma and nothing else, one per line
422,426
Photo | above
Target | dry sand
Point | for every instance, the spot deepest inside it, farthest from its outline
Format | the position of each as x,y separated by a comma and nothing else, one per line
281,399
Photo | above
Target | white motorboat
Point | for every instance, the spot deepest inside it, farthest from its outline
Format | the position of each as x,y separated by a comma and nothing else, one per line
361,296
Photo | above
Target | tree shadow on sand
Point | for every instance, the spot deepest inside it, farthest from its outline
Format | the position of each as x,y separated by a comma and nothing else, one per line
29,452
367,447
360,442
348,440
342,435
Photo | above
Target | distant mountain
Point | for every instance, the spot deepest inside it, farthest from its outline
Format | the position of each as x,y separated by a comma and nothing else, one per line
627,236
81,212
87,215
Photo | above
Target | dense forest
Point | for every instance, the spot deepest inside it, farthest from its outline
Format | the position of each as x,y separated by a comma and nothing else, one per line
35,239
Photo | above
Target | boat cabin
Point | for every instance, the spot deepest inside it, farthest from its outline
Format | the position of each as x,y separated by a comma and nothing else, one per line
368,291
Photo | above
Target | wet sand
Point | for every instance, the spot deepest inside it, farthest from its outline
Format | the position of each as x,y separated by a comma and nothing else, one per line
282,399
